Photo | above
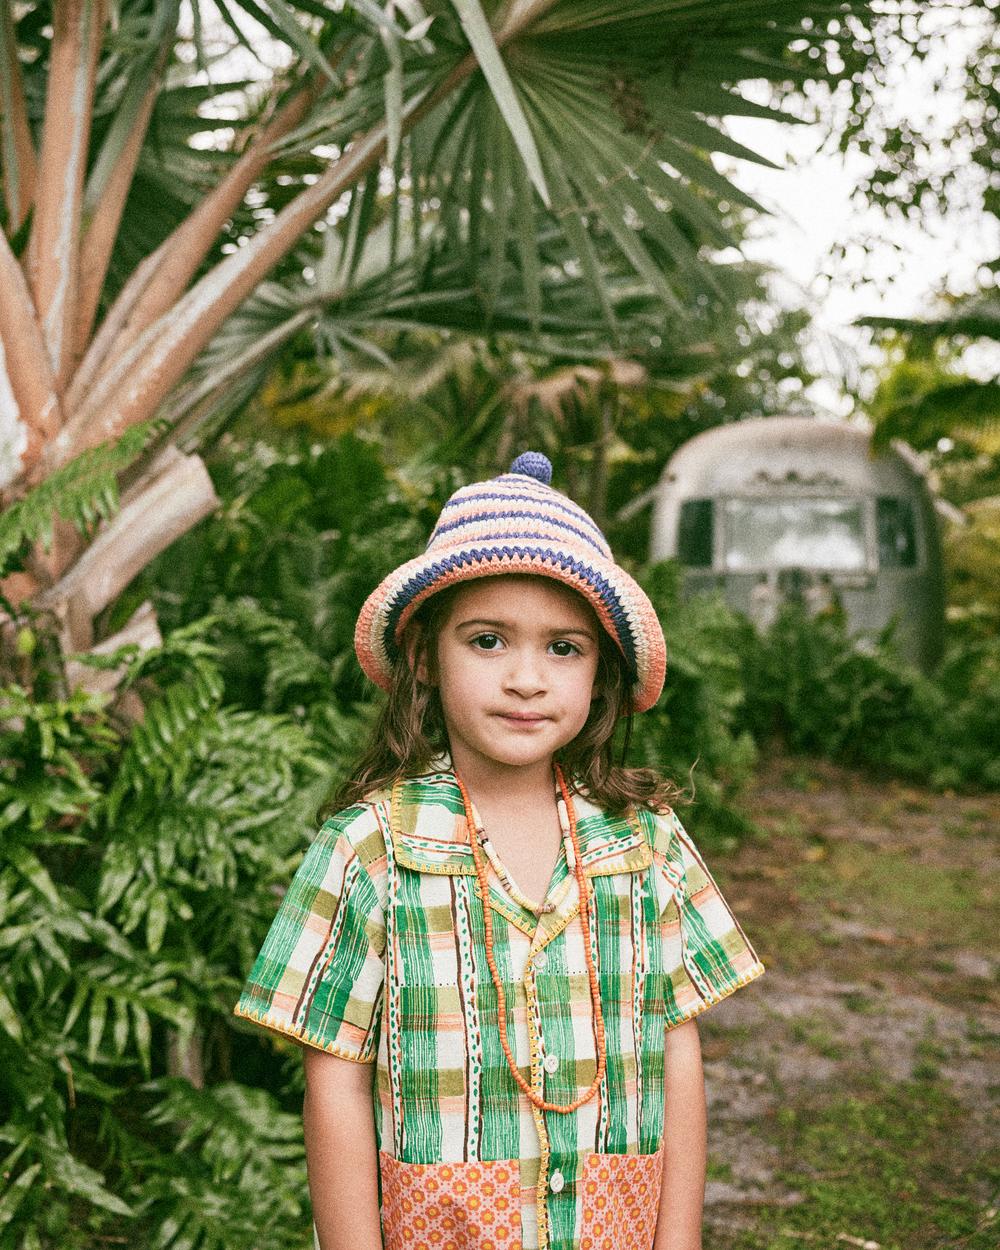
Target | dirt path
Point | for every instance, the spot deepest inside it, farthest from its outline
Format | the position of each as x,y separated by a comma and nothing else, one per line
850,1088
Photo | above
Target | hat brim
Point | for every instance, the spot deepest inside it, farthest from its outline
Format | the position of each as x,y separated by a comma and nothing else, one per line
621,605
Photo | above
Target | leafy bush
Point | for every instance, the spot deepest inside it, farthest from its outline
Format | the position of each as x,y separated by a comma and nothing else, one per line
138,874
808,683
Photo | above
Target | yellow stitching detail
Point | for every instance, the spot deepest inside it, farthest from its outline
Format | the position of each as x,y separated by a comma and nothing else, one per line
300,1035
537,1084
639,857
756,971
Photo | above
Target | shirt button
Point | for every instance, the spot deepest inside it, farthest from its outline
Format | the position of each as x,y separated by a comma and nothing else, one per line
556,1182
550,1063
541,959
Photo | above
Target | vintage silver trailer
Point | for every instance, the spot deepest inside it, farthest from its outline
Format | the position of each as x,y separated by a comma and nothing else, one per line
778,508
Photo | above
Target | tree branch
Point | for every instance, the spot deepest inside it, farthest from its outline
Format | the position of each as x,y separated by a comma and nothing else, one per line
174,495
138,382
105,218
54,248
157,284
24,358
141,628
17,148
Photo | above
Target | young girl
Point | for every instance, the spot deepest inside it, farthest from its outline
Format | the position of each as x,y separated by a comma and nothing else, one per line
510,930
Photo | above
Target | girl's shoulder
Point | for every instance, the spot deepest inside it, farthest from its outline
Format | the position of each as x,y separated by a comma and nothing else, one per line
663,830
361,828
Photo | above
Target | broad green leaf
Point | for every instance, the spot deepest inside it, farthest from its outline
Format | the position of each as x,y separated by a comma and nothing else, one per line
9,1018
120,1031
95,1027
156,920
118,870
143,1035
31,867
393,80
78,1178
16,1192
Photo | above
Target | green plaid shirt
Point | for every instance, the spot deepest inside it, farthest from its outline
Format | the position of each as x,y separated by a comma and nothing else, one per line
377,954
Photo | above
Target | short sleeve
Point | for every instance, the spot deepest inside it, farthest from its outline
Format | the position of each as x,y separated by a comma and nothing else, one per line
319,975
706,954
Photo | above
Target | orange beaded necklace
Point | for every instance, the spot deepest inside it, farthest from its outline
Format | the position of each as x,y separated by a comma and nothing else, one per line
595,989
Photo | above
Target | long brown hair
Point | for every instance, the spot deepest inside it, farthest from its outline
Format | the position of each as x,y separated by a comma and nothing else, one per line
409,731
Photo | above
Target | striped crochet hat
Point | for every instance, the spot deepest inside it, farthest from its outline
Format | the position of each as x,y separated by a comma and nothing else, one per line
517,523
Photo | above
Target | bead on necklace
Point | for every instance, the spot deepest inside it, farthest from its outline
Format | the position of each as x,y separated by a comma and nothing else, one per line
547,905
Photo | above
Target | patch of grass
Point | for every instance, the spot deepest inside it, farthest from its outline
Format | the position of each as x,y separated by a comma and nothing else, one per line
981,1034
786,943
711,1030
816,1033
716,1170
968,826
917,801
789,825
860,1003
802,777
902,893
885,1163
980,815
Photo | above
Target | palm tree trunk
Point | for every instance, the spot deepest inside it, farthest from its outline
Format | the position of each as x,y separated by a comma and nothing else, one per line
17,149
25,371
156,285
136,383
173,495
54,248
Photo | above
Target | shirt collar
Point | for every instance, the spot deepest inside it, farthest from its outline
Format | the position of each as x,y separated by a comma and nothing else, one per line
430,832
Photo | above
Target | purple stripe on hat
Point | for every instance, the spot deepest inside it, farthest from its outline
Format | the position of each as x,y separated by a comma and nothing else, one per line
426,578
479,517
542,496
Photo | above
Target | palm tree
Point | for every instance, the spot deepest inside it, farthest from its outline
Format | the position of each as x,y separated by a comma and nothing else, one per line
499,158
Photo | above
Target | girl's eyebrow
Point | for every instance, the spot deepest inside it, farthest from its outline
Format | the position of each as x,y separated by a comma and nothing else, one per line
480,622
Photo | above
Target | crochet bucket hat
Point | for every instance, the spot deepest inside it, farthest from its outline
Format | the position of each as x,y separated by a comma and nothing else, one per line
517,523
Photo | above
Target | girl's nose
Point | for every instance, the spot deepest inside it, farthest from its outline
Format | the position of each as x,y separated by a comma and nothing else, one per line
525,673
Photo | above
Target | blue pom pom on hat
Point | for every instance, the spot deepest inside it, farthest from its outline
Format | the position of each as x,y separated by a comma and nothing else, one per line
517,523
533,464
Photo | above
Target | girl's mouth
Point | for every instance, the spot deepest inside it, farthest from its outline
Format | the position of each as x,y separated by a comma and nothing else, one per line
522,718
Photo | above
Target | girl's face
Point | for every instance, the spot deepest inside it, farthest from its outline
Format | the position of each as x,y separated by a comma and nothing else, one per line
516,658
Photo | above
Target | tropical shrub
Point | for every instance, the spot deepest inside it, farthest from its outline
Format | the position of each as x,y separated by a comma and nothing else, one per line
813,687
138,868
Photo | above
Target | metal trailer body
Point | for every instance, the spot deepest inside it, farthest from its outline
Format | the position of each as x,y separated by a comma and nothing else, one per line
777,508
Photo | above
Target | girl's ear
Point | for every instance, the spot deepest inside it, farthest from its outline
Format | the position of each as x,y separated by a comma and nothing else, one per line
415,645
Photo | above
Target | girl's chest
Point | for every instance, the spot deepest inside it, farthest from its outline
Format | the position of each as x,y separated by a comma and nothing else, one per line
464,1008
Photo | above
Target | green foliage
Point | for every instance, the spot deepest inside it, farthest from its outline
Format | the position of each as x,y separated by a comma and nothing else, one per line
82,492
694,735
810,684
138,873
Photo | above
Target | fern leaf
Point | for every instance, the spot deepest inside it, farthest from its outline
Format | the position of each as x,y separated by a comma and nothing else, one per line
81,492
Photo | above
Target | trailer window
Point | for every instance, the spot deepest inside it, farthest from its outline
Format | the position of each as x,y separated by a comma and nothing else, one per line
694,540
897,546
794,533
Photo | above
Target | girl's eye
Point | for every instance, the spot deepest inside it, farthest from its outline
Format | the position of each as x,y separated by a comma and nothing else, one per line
562,647
486,642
